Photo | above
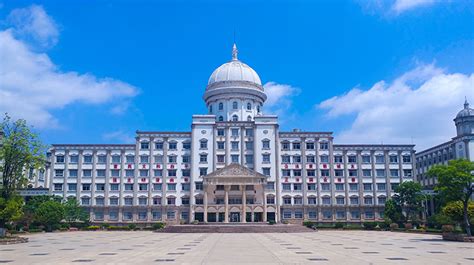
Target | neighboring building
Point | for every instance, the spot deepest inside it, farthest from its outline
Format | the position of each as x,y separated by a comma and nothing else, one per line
233,166
461,146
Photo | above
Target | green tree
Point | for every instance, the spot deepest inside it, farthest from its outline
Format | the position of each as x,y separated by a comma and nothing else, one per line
50,213
409,198
455,182
10,210
33,204
73,212
454,210
393,211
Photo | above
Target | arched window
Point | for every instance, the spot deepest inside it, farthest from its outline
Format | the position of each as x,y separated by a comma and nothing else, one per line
221,106
258,109
221,118
249,118
210,109
234,105
235,118
249,106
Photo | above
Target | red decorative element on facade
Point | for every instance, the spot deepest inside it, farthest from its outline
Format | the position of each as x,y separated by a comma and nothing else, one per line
352,166
325,166
338,165
325,179
186,166
286,166
172,166
144,166
129,165
310,165
157,179
353,179
338,179
143,179
115,166
171,180
158,166
310,179
129,180
297,180
297,166
114,180
286,179
185,179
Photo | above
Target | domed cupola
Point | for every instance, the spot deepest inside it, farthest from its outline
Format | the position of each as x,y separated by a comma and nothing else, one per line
465,120
234,91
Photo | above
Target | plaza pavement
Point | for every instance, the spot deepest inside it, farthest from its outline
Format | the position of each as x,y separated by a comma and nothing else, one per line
323,247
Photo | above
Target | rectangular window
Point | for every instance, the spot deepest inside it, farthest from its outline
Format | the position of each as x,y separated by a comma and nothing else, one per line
156,201
340,215
185,186
353,187
128,187
266,144
158,172
287,200
338,173
337,159
156,215
297,172
312,200
249,132
87,159
171,186
380,173
286,173
354,200
368,201
73,159
203,144
313,215
220,132
172,173
203,158
325,187
220,145
311,173
379,159
72,187
286,186
406,159
340,200
128,201
352,159
311,186
369,215
366,159
59,159
249,159
144,145
159,146
339,187
270,199
186,172
127,216
382,200
85,201
270,185
366,173
407,173
298,214
310,159
285,159
73,173
114,187
352,173
143,159
101,159
142,201
172,159
116,159
285,146
367,186
234,145
100,187
324,146
296,159
286,214
394,173
324,173
198,185
114,201
393,159
187,146
296,146
130,159
87,173
86,187
129,173
355,215
142,215
115,173
143,187
172,146
266,171
100,172
326,200
249,145
296,186
203,171
157,186
234,158
381,186
324,159
235,132
171,201
310,146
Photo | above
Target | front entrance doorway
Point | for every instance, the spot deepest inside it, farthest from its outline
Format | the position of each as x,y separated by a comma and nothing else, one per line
235,217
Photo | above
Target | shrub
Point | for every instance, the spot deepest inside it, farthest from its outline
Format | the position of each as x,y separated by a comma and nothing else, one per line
65,226
433,230
93,228
353,227
132,226
325,226
35,230
271,222
393,226
370,225
408,226
339,225
105,225
384,225
158,225
118,228
447,228
195,222
308,223
285,222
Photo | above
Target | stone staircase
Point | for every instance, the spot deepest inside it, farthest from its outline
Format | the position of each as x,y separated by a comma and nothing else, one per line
235,228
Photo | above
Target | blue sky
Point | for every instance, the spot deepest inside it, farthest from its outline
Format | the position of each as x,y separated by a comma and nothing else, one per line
371,71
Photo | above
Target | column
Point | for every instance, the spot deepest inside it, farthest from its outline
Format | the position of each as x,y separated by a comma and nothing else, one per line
226,201
205,204
244,204
264,204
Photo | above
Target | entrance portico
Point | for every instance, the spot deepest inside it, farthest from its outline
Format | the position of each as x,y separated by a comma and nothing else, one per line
234,194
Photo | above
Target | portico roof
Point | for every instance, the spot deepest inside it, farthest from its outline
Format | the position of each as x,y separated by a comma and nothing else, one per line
234,174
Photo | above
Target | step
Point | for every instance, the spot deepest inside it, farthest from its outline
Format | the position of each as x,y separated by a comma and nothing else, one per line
235,228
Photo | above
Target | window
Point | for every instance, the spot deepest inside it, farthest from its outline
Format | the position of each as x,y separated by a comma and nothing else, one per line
381,186
367,186
337,159
186,158
324,159
311,173
366,159
266,171
249,106
159,145
340,200
157,201
311,186
101,159
340,215
393,159
234,145
185,186
87,159
369,215
172,173
249,159
266,144
73,159
325,187
285,145
352,173
85,201
298,214
100,187
406,159
394,186
115,159
73,173
235,117
352,159
393,173
157,186
99,201
72,187
171,201
114,187
366,173
382,200
286,186
286,172
310,159
220,145
286,214
354,200
235,105
312,200
380,173
326,200
59,159
324,146
285,159
249,118
203,171
339,187
143,159
296,146
156,215
142,187
368,201
220,132
235,132
128,201
220,159
115,173
203,158
185,201
249,145
158,172
355,215
144,145
221,106
172,145
203,144
249,132
296,159
324,173
234,158
379,159
310,146
187,146
186,172
407,173
296,186
312,214
142,215
266,158
298,200
221,118
172,159
128,187
86,187
142,201
270,199
198,186
338,173
130,159
127,216
171,186
287,200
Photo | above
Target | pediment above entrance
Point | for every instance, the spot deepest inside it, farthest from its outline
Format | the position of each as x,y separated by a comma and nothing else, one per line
235,174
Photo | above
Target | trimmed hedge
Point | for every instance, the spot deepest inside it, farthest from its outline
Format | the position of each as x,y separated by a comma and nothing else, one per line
118,228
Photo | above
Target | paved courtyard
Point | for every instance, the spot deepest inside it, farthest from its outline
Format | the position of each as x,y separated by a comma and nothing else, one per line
324,247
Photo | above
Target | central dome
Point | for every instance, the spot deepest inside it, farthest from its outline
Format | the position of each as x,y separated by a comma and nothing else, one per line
235,71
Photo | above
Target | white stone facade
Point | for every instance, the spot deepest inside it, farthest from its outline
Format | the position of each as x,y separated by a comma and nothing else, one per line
187,176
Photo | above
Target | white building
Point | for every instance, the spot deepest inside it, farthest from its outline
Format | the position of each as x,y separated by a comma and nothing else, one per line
235,165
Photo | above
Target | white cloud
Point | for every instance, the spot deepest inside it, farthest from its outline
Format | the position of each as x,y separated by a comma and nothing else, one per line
403,5
33,22
119,136
417,107
279,98
32,85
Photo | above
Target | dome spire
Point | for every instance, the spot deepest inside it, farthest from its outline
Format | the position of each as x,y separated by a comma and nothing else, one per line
234,53
466,104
